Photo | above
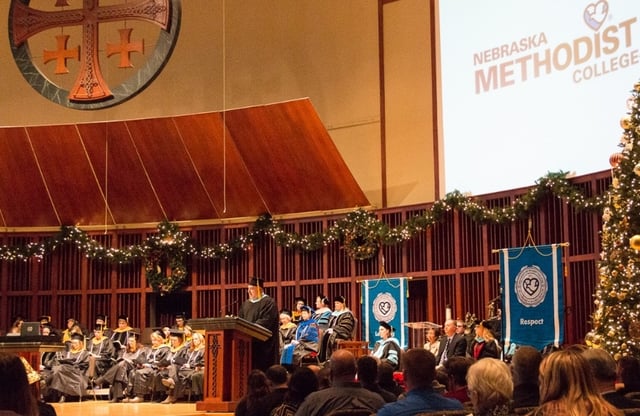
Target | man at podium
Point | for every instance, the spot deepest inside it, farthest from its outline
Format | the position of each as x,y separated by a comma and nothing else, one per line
261,309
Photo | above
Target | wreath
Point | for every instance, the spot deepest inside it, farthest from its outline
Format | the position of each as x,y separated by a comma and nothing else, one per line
164,260
361,235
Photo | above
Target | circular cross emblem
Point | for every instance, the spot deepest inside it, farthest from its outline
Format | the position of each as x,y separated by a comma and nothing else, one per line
531,286
92,56
384,307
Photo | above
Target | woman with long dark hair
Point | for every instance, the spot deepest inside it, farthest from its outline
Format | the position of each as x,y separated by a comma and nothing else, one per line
15,395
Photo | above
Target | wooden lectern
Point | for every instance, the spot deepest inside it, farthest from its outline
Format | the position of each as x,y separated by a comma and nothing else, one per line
227,360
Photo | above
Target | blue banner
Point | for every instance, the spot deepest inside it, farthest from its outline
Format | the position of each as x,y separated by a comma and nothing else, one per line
385,299
533,297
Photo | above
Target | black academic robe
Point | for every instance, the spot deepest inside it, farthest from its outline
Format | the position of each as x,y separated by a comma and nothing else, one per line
68,373
264,312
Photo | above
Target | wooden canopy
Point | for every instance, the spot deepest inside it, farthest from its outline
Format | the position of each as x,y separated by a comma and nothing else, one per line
276,159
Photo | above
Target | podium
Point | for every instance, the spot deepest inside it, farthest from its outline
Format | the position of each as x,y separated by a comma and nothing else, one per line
227,360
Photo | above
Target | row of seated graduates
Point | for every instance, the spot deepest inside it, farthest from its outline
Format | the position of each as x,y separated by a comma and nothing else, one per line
168,369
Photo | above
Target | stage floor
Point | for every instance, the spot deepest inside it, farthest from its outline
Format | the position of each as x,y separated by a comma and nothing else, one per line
104,408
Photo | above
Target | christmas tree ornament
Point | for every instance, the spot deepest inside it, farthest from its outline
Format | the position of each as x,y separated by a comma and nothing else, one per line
625,123
634,242
615,159
636,169
636,86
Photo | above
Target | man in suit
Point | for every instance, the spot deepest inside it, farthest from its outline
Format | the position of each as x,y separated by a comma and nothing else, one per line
451,344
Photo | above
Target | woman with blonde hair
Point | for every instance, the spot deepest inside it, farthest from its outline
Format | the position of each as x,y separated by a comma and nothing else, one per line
490,387
567,387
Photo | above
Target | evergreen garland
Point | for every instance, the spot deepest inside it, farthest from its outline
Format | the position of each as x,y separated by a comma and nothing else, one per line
360,233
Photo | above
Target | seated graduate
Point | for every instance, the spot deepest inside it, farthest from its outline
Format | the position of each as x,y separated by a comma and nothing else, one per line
68,371
167,369
141,379
287,329
118,375
188,363
388,348
306,340
103,354
120,334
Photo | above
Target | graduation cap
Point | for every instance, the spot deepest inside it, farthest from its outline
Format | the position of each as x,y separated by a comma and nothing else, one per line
307,308
386,326
160,332
102,318
176,333
78,337
340,299
133,334
98,327
123,317
257,281
181,315
46,318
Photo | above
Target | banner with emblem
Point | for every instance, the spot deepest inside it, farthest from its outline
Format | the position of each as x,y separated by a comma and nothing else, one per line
533,296
385,299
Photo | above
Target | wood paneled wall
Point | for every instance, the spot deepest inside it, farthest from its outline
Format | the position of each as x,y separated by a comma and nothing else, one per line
451,263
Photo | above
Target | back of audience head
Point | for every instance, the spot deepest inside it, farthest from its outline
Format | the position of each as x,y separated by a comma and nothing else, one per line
525,365
565,376
489,384
602,364
419,368
277,375
15,395
302,383
629,373
367,369
456,369
343,366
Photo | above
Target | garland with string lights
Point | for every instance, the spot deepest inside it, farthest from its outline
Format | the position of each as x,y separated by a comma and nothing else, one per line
361,233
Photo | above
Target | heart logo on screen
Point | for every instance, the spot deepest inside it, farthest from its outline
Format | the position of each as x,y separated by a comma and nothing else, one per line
595,14
531,286
384,307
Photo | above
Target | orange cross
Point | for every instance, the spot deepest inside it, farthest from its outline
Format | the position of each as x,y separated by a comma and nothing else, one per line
61,54
125,47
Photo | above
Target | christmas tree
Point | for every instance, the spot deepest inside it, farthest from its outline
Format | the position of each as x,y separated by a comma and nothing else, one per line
616,320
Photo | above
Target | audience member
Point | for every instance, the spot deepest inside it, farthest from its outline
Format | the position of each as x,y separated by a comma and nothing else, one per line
324,377
277,378
567,387
368,378
524,371
257,388
419,370
345,392
629,376
456,369
341,326
604,370
490,387
388,348
451,344
386,380
16,398
303,382
432,343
